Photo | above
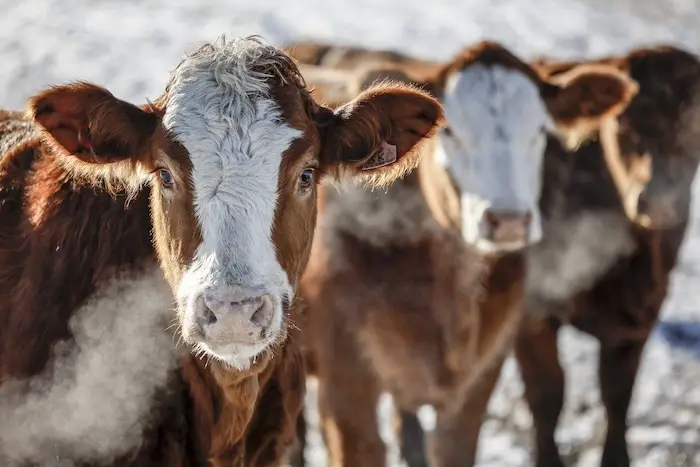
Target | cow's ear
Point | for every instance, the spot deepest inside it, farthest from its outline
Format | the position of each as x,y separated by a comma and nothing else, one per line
377,136
88,122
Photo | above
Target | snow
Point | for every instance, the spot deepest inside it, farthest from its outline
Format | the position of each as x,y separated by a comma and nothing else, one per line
130,45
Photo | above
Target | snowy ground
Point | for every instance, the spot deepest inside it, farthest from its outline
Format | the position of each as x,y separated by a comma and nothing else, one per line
130,45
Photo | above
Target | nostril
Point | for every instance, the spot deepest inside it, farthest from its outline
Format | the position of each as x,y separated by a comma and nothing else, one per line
204,314
263,314
208,316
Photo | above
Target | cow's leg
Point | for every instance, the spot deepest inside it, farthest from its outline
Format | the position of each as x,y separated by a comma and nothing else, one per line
411,439
537,354
617,371
348,393
297,451
456,435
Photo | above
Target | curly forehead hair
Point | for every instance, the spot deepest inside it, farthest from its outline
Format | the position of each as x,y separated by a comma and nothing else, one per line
248,54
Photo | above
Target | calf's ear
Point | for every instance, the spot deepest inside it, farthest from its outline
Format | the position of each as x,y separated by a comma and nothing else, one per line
88,122
377,136
589,92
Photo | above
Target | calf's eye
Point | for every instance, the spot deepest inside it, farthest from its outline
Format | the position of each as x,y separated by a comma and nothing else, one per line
306,178
165,178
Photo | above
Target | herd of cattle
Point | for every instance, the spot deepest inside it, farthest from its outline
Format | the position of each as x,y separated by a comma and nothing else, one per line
477,205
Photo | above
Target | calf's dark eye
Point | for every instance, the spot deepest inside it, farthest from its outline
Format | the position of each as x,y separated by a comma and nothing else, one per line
166,178
306,178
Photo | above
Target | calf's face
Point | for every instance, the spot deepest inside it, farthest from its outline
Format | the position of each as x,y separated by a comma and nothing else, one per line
499,113
233,151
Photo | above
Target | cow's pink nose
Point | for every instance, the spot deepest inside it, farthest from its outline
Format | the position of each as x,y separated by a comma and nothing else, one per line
507,226
234,315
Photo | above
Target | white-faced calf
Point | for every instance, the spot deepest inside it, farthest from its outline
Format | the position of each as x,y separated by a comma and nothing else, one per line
220,173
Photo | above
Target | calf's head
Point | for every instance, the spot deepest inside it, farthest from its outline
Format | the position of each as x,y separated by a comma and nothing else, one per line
653,148
499,113
233,151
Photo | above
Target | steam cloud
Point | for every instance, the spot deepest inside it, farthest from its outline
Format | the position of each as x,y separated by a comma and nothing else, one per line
575,253
94,399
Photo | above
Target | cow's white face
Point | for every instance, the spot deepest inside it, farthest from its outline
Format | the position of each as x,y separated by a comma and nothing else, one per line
493,148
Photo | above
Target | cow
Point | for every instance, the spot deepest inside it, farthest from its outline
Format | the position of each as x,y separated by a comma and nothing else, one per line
419,290
196,208
616,215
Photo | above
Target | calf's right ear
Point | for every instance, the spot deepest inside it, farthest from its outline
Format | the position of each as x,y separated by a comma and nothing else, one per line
88,122
377,136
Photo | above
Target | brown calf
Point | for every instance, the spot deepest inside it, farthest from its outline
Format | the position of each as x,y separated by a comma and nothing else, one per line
616,216
419,290
202,202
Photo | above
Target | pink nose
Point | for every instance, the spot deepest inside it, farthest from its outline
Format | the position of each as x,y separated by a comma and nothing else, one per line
234,315
507,226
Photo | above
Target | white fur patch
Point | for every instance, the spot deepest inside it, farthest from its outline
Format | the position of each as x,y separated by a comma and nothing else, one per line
494,153
575,253
240,357
222,112
95,398
395,215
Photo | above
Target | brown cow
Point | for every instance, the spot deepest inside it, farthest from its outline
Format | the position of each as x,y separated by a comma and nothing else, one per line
616,216
418,291
204,201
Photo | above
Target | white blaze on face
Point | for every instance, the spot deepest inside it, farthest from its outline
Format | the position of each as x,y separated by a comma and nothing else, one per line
223,114
495,147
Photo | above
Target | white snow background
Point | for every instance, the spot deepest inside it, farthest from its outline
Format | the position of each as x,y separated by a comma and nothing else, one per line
130,45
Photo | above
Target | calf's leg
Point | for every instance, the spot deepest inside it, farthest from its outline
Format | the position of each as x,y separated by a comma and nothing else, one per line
348,393
456,435
617,371
411,439
297,451
537,355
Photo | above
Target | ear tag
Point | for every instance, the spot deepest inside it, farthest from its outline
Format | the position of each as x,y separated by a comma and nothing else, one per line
385,155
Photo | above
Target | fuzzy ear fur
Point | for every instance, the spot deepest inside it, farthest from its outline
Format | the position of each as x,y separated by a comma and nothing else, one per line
580,98
377,136
87,121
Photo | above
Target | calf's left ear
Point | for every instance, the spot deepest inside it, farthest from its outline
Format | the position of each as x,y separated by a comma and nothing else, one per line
89,123
377,136
588,92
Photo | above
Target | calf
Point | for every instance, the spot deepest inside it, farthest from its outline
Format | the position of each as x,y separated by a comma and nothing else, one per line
616,215
202,202
419,290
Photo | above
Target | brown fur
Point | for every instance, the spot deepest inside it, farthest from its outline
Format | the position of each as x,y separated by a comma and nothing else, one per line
414,311
621,306
73,212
